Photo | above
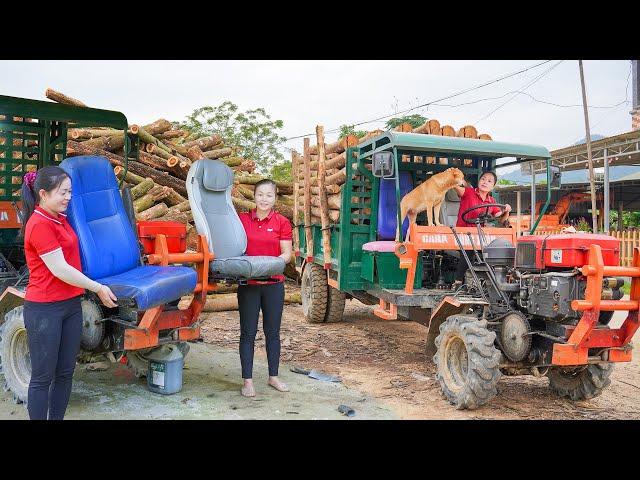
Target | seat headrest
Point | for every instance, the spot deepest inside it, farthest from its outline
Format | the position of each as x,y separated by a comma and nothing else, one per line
216,175
452,195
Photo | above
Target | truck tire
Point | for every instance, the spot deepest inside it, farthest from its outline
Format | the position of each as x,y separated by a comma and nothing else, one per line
582,383
467,361
138,362
14,355
314,292
336,300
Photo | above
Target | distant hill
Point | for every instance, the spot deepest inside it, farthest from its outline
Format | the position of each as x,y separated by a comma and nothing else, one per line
594,137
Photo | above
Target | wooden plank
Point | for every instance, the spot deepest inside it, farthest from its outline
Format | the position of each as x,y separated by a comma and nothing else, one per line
307,201
324,207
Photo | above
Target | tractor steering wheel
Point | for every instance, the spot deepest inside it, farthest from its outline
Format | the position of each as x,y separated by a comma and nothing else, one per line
483,217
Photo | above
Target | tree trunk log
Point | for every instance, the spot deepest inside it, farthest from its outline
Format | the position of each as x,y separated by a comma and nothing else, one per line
338,147
307,200
175,199
129,178
109,143
51,94
484,136
373,133
142,188
159,126
149,139
468,131
248,166
336,162
324,208
334,215
334,202
174,216
152,212
153,161
204,143
79,148
246,192
331,190
194,153
89,133
218,153
170,134
154,195
296,216
231,161
403,127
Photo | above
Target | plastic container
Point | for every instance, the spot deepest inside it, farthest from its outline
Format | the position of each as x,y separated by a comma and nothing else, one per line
175,232
165,370
568,250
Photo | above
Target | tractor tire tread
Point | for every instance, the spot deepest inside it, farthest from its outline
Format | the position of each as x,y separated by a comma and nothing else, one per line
588,384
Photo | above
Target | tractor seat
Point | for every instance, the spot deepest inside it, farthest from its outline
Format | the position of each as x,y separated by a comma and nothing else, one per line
109,249
209,185
449,214
380,246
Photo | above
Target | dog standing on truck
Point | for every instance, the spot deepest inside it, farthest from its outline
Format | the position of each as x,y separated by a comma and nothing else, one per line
429,196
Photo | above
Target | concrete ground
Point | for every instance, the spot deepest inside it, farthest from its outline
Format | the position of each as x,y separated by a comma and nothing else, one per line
211,390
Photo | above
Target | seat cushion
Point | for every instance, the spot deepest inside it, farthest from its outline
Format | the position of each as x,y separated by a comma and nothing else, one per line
151,285
379,246
248,266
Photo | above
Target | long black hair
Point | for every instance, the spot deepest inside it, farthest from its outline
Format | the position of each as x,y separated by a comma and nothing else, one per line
47,179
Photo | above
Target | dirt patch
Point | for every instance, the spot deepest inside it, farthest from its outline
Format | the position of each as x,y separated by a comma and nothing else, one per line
387,360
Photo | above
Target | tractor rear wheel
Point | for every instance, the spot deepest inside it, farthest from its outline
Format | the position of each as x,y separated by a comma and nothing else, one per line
14,355
336,300
582,383
138,361
314,292
467,361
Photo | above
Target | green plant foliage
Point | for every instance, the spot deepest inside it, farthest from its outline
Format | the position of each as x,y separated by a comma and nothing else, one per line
415,120
253,131
281,172
350,130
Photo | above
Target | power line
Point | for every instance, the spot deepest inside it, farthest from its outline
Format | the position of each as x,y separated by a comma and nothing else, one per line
536,79
429,103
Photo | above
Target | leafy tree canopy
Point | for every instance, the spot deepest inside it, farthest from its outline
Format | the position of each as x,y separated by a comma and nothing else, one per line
415,120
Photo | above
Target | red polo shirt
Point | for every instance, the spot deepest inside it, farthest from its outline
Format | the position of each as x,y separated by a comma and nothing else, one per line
45,233
263,236
471,198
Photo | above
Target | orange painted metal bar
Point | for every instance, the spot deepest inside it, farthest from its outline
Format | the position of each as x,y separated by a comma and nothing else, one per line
632,272
155,258
382,312
606,305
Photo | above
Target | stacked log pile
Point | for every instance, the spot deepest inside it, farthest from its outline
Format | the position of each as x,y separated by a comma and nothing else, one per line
166,153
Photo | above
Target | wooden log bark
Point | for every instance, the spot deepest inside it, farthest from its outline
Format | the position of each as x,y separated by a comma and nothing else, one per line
371,134
334,202
79,148
338,161
248,166
109,143
149,139
131,178
154,195
194,153
336,179
403,127
307,201
331,190
337,147
296,217
245,192
51,94
89,133
231,161
468,131
286,200
174,216
204,143
142,188
218,153
153,161
161,178
159,126
170,134
324,208
175,199
484,136
152,212
334,215
243,205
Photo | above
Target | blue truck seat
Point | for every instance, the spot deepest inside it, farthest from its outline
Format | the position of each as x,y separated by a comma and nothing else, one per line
387,206
109,249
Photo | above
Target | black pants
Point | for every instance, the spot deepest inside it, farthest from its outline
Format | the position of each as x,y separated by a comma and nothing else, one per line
53,334
251,299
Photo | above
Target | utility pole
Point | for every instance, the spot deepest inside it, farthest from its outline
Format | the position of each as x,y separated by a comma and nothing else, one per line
594,212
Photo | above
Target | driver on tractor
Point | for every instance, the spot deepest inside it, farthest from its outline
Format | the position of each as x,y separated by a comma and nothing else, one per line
472,197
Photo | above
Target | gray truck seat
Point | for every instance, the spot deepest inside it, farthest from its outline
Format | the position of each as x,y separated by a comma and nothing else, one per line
209,185
449,213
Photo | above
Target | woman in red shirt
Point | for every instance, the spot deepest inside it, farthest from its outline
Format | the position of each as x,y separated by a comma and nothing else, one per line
268,233
52,311
470,197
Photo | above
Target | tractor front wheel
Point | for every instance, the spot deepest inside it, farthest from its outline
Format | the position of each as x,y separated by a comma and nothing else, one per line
314,292
467,361
582,383
14,355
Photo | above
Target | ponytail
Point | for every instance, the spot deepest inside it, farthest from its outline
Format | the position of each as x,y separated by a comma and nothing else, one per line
28,203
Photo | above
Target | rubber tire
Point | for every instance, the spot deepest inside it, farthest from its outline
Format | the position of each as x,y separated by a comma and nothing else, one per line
585,385
477,385
16,381
138,362
314,291
336,300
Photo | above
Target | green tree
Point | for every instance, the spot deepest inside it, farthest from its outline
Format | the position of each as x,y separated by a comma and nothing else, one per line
415,120
504,181
253,131
281,172
350,130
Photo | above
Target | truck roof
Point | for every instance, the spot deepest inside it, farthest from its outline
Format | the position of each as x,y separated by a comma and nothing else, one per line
81,116
453,145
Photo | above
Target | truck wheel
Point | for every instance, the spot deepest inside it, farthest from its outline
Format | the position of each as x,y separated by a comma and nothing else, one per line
581,383
14,354
335,305
467,361
138,362
314,293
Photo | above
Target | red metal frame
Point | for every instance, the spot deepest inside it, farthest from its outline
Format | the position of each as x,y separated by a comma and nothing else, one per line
584,335
441,238
147,333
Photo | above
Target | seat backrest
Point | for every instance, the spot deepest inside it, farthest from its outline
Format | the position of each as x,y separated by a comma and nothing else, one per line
450,208
387,206
209,185
108,244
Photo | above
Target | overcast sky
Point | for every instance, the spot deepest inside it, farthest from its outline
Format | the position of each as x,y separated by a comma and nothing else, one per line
306,93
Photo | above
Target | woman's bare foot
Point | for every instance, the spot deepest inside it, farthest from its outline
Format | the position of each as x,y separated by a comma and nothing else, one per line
277,384
247,389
